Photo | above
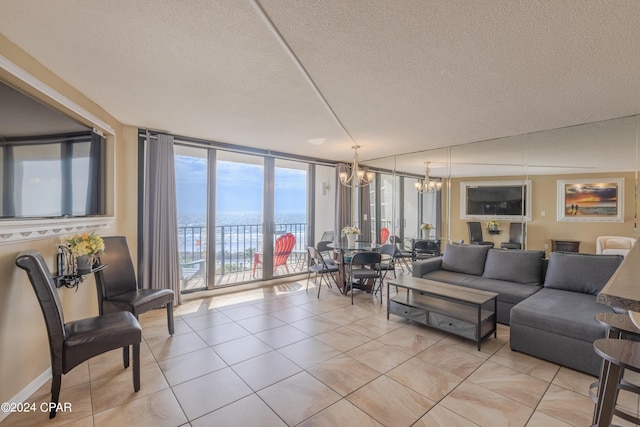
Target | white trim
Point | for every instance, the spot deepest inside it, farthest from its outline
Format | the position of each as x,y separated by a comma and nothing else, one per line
56,96
12,231
24,394
463,199
563,217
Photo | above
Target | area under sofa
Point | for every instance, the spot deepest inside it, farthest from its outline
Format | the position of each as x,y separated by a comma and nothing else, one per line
549,304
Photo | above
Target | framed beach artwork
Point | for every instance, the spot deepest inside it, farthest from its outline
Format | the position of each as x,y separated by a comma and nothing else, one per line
583,200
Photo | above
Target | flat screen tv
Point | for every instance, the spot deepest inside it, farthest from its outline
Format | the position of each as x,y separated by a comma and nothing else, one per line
50,165
487,200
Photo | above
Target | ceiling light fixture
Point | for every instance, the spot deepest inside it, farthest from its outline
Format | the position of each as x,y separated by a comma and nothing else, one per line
359,177
428,185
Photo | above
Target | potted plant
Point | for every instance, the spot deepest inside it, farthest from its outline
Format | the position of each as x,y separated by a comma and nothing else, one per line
351,233
426,229
494,224
84,247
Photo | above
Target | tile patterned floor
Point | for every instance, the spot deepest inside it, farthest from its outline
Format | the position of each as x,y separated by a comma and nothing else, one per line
278,356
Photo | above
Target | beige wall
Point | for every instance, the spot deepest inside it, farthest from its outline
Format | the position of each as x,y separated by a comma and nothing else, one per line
541,229
24,351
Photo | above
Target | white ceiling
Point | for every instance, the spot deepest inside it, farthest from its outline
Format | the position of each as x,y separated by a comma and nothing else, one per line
402,75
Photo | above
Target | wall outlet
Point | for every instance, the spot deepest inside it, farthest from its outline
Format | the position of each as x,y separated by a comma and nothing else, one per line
546,246
543,213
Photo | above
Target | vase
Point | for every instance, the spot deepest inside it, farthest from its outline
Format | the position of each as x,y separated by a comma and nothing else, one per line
351,241
84,262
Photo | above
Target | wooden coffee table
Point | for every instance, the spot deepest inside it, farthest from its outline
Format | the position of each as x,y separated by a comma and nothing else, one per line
469,313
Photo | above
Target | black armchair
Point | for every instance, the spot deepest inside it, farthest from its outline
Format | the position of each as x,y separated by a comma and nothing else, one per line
73,342
117,286
475,234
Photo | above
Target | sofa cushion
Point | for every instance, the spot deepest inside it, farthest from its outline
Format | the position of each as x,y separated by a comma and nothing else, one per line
443,276
469,259
570,314
509,292
584,273
514,266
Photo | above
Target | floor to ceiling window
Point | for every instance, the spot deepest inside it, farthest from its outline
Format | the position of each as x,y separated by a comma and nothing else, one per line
245,217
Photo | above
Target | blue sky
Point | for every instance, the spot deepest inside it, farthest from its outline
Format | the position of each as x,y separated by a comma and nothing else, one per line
239,187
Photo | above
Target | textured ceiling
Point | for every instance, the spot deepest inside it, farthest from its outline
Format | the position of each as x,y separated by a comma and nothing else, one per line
402,75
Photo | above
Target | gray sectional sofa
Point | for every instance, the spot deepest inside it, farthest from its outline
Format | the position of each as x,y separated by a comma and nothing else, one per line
514,275
549,304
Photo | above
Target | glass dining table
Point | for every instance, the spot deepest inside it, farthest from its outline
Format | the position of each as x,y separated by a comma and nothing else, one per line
342,253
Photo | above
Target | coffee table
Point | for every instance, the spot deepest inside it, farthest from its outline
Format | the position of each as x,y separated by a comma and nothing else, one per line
469,313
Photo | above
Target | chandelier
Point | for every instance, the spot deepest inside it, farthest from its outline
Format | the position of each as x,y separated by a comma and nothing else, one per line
427,185
358,177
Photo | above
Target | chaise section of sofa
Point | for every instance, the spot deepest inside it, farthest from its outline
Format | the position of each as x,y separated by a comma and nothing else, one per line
513,274
557,323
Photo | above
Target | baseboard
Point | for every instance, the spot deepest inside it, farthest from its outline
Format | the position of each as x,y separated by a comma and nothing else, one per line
24,394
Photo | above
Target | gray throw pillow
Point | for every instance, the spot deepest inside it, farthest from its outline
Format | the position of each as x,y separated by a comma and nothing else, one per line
584,273
514,266
468,259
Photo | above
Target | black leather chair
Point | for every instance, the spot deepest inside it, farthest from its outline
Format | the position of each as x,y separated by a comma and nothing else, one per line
74,342
475,234
515,237
117,285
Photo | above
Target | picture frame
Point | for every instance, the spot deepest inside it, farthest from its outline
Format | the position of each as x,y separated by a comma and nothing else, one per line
591,200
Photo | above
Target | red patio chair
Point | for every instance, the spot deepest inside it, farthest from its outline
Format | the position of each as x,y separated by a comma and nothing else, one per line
284,247
384,235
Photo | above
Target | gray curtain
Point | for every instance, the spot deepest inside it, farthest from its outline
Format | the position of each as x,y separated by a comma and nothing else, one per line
160,263
343,203
95,197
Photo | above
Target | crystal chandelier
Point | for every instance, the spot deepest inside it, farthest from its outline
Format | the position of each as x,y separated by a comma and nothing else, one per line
427,185
358,177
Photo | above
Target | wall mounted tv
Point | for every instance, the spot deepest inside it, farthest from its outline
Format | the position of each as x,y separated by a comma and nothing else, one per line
50,165
495,199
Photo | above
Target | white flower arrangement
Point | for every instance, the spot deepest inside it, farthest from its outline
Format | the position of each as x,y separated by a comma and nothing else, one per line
426,226
350,230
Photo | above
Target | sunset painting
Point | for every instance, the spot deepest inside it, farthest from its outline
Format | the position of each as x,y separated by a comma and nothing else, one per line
591,199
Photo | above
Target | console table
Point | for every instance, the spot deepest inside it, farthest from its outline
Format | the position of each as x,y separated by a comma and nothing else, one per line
466,312
565,246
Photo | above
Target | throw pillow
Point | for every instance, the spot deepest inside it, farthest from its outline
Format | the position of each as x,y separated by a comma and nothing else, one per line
584,273
514,266
468,259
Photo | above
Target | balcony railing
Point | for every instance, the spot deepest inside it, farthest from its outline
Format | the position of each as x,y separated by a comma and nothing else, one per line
235,247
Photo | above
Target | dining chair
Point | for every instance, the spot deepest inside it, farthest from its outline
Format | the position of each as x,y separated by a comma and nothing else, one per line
118,288
515,237
74,342
423,249
388,253
318,265
364,266
475,234
326,251
281,251
403,255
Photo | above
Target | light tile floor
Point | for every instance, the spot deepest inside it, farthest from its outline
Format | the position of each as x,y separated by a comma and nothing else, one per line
279,356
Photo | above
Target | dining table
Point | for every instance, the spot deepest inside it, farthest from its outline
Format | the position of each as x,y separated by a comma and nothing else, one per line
342,252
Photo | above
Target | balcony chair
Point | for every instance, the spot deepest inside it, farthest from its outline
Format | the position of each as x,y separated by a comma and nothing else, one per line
475,234
117,286
384,235
515,237
318,265
282,250
614,245
364,266
423,249
74,342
